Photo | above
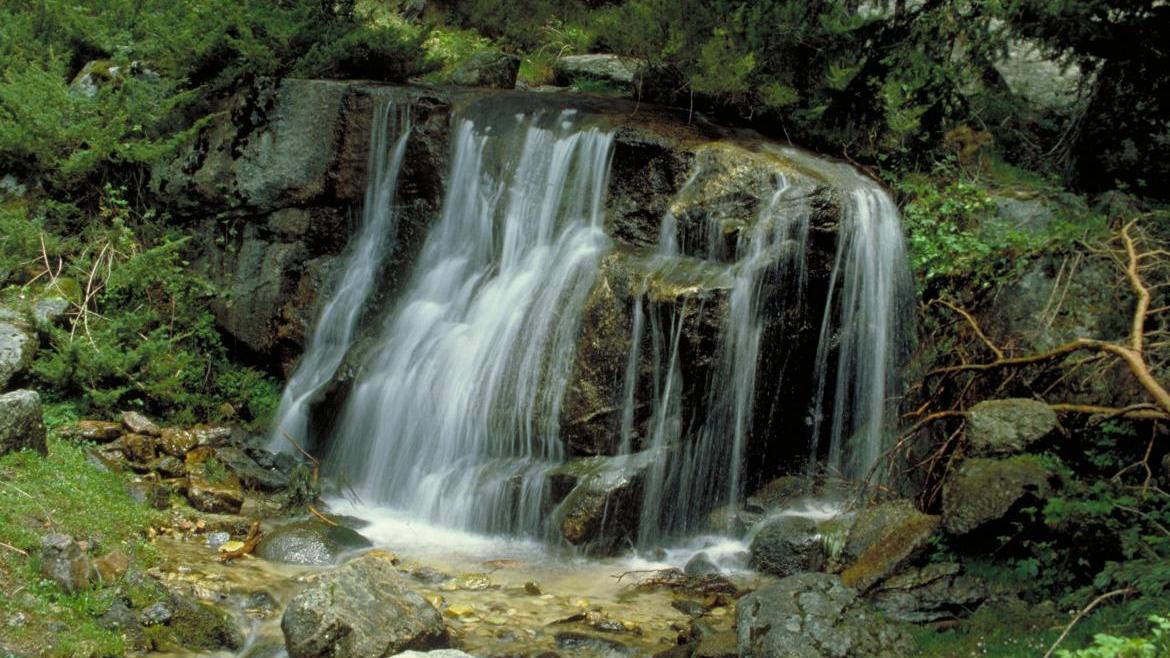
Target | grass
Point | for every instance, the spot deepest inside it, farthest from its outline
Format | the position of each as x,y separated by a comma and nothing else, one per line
64,493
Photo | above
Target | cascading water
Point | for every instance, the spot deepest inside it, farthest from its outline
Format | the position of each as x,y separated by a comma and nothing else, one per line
335,328
455,415
870,293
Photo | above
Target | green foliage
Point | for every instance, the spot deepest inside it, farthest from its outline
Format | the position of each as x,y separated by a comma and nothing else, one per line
384,52
1156,645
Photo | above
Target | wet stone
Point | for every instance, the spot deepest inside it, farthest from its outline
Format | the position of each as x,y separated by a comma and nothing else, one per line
309,543
136,423
156,614
701,565
583,642
97,431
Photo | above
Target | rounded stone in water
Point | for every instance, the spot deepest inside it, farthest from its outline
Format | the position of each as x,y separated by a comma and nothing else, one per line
310,543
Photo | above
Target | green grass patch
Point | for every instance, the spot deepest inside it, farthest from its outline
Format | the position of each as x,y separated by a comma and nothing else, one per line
64,493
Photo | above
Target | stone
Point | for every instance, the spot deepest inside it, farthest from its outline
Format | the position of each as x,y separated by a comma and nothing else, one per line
1006,427
600,511
361,609
17,347
122,620
110,567
64,562
437,653
882,540
590,645
931,593
309,542
22,424
701,565
251,474
986,489
778,494
156,614
168,466
615,69
787,545
49,311
136,423
812,615
139,448
96,431
731,521
487,69
176,442
723,644
210,486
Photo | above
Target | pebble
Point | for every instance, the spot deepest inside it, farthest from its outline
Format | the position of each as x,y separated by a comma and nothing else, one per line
217,539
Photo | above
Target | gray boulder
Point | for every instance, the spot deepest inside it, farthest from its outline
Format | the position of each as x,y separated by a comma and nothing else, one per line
16,347
21,422
65,563
617,70
1010,426
812,615
48,311
788,545
930,593
361,609
882,540
986,489
309,542
487,69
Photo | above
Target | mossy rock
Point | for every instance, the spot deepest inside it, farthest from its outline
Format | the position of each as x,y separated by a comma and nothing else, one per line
310,543
894,548
1010,426
985,489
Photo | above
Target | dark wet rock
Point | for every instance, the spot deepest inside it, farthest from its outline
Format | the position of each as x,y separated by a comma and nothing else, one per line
309,542
437,653
429,576
64,562
778,494
983,490
251,474
723,644
1010,426
361,609
812,615
136,423
122,620
586,643
487,69
732,521
701,565
156,614
97,431
22,423
532,588
17,346
150,492
600,510
180,624
211,487
930,593
882,540
168,466
787,545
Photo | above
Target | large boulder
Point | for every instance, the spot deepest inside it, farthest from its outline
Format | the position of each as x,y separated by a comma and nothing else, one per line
17,346
1005,427
309,542
362,609
21,422
882,540
983,490
788,545
812,615
621,72
487,69
64,562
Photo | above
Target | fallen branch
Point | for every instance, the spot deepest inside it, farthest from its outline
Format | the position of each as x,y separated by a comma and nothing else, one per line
13,548
250,543
1080,615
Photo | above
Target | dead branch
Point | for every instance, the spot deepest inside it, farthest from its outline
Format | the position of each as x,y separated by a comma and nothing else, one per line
250,543
974,327
1080,615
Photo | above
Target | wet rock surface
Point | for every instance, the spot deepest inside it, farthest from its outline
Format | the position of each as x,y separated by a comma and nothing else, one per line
786,546
361,609
929,593
813,615
882,540
487,69
310,543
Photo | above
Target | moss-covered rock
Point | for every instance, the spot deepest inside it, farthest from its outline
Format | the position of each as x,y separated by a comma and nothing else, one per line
788,545
985,489
884,539
1010,426
211,487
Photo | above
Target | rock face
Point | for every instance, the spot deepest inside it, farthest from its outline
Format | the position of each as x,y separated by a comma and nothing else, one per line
211,487
985,489
362,609
487,69
600,499
16,347
309,542
65,563
1005,427
934,592
787,546
813,615
882,540
21,422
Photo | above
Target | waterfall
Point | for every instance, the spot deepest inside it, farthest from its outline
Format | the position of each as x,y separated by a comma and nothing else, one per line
707,471
455,416
335,328
869,307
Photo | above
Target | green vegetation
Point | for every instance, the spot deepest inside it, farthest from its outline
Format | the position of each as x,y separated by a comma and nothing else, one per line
65,493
